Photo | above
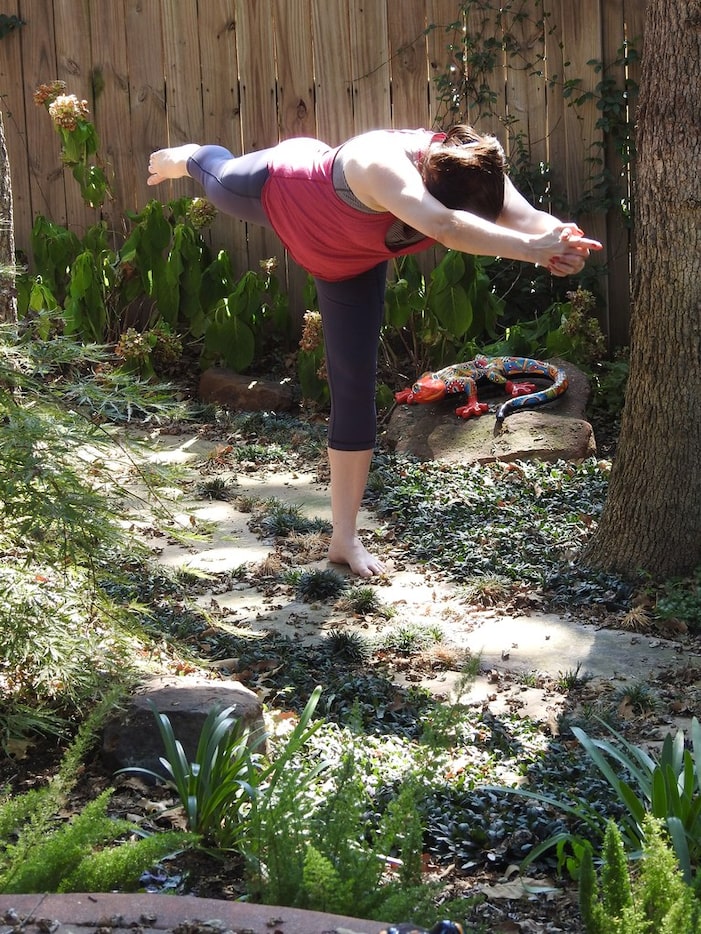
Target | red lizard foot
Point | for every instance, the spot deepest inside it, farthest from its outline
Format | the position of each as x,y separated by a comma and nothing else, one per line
472,409
519,389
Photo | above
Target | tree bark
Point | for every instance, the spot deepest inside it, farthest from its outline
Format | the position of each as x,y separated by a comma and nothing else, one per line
8,299
652,516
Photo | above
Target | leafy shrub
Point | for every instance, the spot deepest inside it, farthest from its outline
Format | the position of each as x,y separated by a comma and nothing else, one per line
40,853
53,648
431,319
163,270
610,379
654,897
312,844
669,788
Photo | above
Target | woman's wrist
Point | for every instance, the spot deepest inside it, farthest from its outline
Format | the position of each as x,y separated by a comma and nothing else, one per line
183,154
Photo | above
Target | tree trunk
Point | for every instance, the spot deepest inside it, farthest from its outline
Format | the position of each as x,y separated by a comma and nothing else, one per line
8,300
652,516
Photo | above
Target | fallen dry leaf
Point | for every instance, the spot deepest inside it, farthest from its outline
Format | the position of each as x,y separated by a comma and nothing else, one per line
522,887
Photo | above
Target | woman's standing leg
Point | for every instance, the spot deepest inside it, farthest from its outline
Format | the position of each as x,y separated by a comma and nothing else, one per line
352,312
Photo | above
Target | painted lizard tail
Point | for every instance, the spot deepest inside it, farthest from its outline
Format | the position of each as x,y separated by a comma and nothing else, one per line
463,378
524,366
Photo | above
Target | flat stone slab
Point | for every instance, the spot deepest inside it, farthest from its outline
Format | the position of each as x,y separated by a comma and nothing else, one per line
148,914
552,432
132,739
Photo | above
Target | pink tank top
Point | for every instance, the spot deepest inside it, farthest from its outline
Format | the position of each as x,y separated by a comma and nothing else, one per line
326,236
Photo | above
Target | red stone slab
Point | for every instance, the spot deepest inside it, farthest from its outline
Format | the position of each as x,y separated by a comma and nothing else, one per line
62,914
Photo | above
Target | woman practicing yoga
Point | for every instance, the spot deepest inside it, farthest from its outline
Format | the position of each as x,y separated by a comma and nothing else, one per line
343,213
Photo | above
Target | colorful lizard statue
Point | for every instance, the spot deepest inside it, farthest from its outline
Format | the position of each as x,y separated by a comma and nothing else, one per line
463,377
441,927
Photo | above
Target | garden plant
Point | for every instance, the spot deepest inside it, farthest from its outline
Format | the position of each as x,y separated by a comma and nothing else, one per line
378,784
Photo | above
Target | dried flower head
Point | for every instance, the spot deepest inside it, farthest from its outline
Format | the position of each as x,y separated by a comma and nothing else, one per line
66,111
201,212
312,336
269,265
47,93
133,346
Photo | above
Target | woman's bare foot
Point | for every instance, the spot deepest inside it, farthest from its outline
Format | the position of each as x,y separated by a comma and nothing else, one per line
356,556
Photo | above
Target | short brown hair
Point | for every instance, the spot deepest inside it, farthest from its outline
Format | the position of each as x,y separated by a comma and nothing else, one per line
466,172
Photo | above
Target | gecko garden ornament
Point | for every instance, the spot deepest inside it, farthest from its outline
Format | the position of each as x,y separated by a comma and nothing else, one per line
464,378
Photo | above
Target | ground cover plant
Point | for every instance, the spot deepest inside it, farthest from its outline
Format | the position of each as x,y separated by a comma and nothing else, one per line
504,535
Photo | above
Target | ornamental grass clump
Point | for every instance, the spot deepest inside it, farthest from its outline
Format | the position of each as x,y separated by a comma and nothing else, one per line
220,788
320,584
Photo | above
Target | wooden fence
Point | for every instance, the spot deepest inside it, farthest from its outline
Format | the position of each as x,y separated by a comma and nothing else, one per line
246,73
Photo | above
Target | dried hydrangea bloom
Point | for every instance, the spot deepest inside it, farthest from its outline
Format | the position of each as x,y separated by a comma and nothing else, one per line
201,212
312,336
66,111
47,93
268,265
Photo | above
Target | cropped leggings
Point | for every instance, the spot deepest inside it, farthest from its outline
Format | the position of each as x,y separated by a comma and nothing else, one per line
351,309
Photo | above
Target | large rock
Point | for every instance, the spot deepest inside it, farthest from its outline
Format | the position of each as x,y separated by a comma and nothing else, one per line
132,737
554,431
245,393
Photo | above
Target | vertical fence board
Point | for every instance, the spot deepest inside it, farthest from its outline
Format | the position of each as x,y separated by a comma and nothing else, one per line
525,89
256,53
583,139
221,102
39,66
72,31
445,31
13,103
183,83
221,111
555,102
112,106
296,112
295,68
370,65
635,21
617,234
334,104
147,91
406,26
489,84
245,74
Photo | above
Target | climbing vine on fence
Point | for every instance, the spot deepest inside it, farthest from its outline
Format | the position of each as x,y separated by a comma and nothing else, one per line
494,40
491,38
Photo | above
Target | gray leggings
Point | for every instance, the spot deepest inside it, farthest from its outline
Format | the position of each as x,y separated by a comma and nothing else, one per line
351,310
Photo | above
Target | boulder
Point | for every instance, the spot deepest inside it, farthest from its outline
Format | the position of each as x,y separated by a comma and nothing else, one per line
131,738
245,393
554,431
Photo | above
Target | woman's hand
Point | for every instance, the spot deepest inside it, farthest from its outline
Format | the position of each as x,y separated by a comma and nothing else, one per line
169,163
564,249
